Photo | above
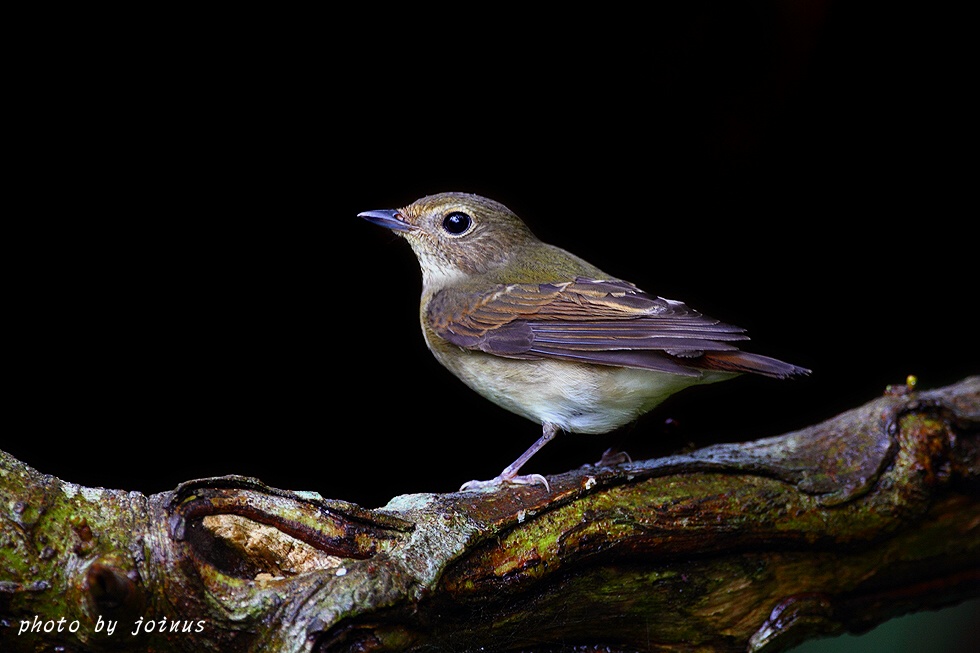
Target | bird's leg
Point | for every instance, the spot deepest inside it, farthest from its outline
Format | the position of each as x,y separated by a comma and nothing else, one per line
549,431
509,475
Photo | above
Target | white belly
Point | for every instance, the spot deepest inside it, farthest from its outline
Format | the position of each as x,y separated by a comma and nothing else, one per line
577,397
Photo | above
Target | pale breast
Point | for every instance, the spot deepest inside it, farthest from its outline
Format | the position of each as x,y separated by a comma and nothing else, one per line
580,398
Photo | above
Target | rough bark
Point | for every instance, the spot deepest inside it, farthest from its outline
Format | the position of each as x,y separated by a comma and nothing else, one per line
753,546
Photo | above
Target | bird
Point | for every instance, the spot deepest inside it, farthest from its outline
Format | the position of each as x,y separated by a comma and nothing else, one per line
547,335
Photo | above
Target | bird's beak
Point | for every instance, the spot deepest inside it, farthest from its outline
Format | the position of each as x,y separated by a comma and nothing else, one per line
389,218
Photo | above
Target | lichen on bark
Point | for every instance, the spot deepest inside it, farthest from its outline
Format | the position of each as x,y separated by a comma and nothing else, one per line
752,546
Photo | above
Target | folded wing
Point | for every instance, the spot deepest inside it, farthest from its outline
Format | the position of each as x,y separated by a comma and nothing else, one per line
603,322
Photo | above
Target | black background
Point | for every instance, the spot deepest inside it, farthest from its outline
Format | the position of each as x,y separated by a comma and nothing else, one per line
189,292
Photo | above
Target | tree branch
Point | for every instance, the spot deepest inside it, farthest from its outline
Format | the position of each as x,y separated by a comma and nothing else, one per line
754,546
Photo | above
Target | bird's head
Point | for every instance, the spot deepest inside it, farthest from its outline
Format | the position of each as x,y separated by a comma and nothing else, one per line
455,235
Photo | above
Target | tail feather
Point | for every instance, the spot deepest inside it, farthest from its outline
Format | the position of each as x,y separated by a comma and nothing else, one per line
741,361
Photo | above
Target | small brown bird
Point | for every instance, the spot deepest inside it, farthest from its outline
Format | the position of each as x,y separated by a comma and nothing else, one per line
547,335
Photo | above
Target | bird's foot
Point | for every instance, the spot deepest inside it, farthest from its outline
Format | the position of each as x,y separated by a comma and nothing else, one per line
611,458
502,480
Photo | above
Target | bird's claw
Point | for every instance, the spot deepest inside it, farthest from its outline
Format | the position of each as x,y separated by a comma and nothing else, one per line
529,479
612,458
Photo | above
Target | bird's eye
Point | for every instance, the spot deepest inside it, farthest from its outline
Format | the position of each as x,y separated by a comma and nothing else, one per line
456,222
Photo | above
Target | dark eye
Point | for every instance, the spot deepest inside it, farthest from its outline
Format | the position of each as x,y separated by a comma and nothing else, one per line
456,222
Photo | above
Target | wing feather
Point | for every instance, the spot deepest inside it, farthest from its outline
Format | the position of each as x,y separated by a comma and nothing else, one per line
604,322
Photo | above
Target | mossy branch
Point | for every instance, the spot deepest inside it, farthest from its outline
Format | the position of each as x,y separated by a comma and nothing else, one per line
755,546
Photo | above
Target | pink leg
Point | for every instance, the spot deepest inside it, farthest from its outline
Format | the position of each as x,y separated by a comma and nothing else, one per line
509,475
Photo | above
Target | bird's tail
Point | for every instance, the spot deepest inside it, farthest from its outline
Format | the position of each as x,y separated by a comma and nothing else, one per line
741,361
